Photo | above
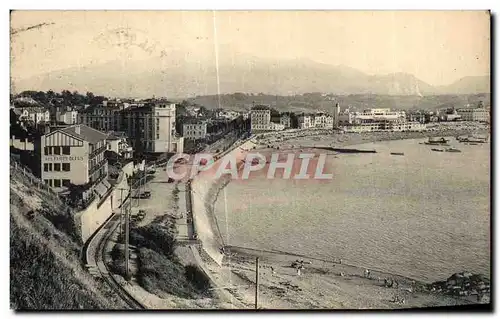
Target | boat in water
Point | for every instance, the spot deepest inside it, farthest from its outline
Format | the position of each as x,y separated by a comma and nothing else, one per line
453,150
437,150
437,141
397,153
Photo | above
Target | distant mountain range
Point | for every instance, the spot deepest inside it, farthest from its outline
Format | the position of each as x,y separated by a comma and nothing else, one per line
179,78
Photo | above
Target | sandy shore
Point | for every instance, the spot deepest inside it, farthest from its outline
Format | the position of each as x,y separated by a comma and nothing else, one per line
322,284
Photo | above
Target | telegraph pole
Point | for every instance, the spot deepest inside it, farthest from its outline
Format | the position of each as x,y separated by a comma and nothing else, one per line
127,217
257,283
121,211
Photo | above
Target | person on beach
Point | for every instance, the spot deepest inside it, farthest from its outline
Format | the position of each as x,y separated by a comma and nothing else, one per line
299,269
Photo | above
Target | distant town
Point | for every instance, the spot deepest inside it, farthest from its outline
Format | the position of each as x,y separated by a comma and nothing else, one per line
90,157
45,126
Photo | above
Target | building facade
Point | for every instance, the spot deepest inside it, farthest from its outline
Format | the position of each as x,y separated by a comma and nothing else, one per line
260,118
73,155
69,117
474,114
304,121
117,142
34,115
285,120
151,128
194,131
102,117
150,125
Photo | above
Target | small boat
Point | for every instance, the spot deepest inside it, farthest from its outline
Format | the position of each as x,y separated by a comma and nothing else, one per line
473,144
439,140
436,143
397,153
437,150
453,150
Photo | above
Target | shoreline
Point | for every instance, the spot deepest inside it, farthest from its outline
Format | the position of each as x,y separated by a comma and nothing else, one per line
239,255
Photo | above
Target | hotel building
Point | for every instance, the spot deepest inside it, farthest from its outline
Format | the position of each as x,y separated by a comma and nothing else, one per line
194,131
478,114
72,155
260,118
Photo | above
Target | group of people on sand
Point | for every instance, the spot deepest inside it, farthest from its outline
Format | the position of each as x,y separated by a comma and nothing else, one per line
299,265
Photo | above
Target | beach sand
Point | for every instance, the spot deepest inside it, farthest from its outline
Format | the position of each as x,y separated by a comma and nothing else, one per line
322,284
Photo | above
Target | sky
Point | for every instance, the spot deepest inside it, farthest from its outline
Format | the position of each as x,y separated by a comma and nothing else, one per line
439,47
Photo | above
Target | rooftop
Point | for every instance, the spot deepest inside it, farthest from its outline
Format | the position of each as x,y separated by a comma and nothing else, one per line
84,132
261,107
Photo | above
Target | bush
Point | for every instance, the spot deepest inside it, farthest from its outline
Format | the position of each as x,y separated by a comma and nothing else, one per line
155,237
159,275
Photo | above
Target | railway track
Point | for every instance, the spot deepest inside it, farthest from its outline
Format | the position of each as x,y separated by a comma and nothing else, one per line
95,252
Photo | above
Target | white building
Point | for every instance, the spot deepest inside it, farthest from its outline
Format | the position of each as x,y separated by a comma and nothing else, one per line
380,114
73,155
67,116
151,128
285,120
149,125
104,117
322,121
304,121
117,142
34,115
260,118
474,114
385,126
194,131
276,126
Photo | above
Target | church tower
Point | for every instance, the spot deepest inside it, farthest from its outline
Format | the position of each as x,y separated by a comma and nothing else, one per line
336,113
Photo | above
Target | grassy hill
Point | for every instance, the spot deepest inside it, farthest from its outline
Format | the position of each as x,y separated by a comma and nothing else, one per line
46,272
315,101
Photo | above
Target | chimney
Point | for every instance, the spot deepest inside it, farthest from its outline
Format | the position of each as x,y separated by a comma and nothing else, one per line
77,129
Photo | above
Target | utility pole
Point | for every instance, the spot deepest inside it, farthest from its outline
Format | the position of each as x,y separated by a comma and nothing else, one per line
121,211
257,283
127,218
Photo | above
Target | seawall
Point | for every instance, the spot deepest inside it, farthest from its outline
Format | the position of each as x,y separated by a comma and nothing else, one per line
202,191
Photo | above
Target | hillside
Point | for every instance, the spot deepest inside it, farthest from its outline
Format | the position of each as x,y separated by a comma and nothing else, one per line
46,272
313,102
176,77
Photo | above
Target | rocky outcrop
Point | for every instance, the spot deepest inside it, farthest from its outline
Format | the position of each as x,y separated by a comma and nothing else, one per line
463,284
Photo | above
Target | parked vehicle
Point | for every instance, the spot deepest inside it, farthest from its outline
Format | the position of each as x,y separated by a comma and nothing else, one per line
143,195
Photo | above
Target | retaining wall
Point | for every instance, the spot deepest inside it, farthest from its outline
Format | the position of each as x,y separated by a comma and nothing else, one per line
200,186
91,218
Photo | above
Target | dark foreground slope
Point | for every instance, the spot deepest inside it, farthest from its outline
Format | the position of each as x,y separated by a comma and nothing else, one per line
45,268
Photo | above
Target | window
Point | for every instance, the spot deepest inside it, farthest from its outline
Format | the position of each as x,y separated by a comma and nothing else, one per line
66,167
66,182
48,150
46,181
57,183
57,150
57,167
45,167
50,167
66,150
50,182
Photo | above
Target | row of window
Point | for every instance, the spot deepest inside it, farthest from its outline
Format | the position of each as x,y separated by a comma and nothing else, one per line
57,182
47,167
57,150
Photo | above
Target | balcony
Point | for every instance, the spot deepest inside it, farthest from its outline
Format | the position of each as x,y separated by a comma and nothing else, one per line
97,167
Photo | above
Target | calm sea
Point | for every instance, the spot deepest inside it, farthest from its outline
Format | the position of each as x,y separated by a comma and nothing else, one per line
424,215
